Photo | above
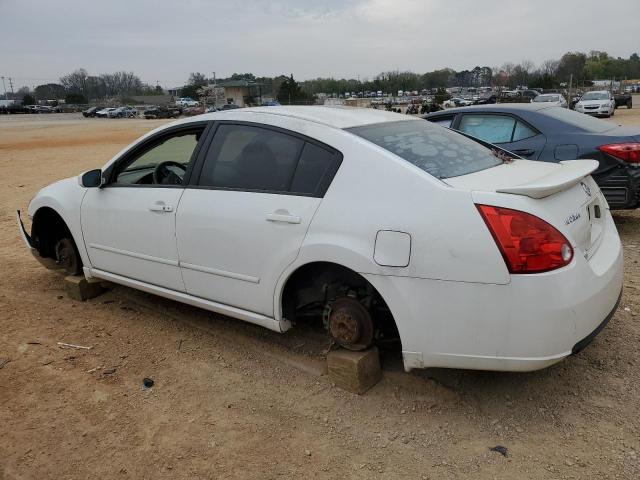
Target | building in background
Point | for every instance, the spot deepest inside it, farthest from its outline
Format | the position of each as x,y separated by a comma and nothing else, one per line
244,93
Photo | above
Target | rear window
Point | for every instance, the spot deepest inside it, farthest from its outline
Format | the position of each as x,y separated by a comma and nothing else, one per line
579,120
438,151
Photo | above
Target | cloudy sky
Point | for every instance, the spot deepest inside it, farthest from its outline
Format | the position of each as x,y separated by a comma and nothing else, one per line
165,40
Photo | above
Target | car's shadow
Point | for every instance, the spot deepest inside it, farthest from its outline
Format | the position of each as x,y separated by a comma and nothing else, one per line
305,347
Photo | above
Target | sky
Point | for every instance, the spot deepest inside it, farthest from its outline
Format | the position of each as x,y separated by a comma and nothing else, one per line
163,41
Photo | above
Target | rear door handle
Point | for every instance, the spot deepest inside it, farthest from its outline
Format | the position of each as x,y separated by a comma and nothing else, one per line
159,207
525,152
283,217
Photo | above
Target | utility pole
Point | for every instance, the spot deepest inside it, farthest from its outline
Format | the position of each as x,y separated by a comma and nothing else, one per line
11,85
5,89
569,92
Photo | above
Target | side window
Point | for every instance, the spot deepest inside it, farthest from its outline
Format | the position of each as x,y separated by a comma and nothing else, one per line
522,131
164,162
244,157
316,169
444,121
490,128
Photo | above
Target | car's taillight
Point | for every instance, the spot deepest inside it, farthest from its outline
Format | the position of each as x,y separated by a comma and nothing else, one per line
527,243
629,152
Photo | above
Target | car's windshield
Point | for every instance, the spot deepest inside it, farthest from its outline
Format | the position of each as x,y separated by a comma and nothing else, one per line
438,151
579,120
595,96
547,98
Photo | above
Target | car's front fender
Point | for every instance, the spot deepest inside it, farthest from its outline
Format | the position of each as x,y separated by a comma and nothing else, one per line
65,198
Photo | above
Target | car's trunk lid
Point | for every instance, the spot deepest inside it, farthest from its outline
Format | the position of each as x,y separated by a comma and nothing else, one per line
564,193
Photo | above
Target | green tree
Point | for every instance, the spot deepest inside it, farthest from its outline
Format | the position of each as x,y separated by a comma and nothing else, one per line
75,99
291,93
28,100
250,77
196,81
571,63
441,96
49,91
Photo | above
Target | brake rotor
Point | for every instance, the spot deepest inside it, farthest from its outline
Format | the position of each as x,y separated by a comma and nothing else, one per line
66,256
350,324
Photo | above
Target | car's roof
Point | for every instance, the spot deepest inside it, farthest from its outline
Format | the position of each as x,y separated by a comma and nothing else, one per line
337,117
495,107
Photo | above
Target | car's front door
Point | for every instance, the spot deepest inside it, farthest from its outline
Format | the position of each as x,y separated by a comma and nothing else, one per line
246,218
129,224
506,131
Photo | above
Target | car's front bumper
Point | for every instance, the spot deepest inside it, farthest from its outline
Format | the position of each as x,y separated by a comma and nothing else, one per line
602,111
49,263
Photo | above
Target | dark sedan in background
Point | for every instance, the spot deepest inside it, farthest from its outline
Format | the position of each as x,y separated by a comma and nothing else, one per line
551,134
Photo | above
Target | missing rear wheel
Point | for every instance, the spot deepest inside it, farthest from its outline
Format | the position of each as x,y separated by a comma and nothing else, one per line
350,324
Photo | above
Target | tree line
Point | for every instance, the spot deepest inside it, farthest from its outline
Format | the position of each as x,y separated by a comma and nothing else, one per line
582,68
578,67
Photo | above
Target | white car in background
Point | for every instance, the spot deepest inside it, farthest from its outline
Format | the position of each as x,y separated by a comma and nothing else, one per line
599,103
104,113
123,112
556,99
456,102
382,225
187,102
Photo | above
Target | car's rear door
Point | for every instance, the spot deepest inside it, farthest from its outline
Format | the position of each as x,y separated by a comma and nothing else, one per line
244,219
507,131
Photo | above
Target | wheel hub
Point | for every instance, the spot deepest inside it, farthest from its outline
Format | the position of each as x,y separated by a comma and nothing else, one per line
65,255
350,324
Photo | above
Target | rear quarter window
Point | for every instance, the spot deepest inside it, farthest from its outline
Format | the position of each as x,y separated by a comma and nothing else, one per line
438,151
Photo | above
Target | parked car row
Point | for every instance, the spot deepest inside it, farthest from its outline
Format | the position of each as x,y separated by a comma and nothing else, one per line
155,111
110,112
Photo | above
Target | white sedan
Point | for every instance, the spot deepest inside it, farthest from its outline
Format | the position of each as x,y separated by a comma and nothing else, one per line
381,224
555,99
600,104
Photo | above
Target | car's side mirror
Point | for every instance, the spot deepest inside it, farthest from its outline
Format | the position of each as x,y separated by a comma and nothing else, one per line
91,179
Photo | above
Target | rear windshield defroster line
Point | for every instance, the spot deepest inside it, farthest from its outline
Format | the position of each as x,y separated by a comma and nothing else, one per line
438,151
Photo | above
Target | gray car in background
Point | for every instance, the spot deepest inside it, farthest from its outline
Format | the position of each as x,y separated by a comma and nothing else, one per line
538,131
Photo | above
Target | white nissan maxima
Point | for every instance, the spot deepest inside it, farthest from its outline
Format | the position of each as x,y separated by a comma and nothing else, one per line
379,223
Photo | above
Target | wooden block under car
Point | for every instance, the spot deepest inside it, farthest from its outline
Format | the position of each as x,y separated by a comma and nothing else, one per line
81,289
355,372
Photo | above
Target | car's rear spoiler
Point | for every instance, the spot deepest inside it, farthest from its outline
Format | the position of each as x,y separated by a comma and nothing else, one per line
572,172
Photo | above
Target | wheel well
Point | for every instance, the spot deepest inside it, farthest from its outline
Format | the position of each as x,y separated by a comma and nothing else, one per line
47,229
312,286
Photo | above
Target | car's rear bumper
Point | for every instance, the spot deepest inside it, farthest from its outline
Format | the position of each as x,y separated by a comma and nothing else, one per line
531,323
578,347
621,187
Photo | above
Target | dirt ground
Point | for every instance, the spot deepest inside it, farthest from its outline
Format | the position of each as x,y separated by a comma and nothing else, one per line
234,401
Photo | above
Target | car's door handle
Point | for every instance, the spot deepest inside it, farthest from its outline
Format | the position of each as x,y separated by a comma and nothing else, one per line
160,207
283,217
525,152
